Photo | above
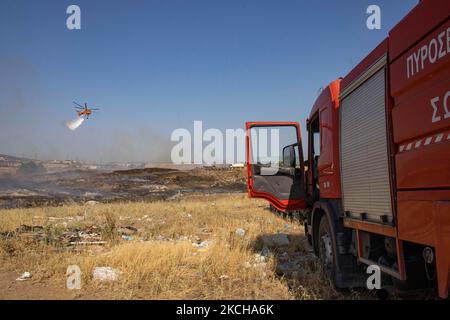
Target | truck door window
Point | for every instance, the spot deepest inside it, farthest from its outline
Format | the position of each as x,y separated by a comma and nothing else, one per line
316,148
297,156
268,144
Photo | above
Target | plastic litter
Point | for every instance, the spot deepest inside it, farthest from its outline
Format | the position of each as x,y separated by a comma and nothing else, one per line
24,276
106,274
202,245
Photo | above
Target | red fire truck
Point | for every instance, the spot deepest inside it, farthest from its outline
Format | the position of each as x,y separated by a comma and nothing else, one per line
375,189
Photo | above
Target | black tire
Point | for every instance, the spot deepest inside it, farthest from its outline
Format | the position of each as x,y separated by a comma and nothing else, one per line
326,248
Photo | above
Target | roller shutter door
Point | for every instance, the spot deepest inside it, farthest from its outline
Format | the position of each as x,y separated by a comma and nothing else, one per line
364,152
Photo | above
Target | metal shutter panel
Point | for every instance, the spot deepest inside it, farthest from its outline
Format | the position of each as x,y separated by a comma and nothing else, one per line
364,152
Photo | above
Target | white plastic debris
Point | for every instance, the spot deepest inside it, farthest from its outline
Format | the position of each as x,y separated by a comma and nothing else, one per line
106,274
24,276
260,258
88,243
161,238
202,245
92,195
240,232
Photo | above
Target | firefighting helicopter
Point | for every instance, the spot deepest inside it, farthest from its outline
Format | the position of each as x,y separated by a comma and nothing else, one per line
84,110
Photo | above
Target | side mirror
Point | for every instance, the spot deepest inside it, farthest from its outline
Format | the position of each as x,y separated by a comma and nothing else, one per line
289,157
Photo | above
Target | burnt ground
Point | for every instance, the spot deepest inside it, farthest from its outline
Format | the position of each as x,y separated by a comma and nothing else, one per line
145,184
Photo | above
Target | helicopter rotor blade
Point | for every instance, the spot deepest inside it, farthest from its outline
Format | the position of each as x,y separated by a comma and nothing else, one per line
78,104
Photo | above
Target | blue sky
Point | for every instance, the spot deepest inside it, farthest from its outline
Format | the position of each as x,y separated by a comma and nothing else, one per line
157,65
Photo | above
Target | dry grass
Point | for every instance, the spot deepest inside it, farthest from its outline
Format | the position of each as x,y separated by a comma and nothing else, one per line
161,262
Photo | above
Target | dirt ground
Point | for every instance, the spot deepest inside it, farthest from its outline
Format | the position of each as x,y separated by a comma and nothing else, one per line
75,185
223,246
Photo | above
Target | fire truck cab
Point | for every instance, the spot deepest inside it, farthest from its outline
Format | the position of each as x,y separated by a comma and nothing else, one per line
375,189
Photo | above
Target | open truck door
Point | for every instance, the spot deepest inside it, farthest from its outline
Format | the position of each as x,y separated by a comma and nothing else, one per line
275,167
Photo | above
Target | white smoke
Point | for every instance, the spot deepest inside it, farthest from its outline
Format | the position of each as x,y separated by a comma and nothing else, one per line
74,124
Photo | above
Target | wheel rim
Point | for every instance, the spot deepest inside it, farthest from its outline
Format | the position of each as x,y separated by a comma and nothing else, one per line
326,252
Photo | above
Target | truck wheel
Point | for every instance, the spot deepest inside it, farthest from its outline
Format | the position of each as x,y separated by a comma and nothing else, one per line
326,248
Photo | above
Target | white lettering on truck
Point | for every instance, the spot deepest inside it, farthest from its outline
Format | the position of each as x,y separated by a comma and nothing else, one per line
435,104
432,52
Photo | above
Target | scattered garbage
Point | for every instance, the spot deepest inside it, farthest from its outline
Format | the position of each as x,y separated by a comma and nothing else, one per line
92,195
88,242
175,196
89,235
24,276
202,245
156,188
26,228
161,238
259,262
127,230
224,277
240,232
59,218
127,238
36,233
206,230
260,258
106,274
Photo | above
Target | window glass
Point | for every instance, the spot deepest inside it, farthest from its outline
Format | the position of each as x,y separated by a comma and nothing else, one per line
316,141
267,144
297,156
